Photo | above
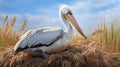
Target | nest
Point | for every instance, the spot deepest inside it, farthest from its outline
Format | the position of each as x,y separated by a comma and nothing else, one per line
92,55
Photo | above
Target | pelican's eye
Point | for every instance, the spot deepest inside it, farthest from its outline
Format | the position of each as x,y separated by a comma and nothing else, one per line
69,12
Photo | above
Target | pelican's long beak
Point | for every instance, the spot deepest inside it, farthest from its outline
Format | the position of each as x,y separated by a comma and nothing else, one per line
73,21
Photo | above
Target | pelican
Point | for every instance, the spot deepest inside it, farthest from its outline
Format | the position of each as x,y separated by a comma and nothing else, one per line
50,39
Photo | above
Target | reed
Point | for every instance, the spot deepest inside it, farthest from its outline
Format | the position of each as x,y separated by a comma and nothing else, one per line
9,36
110,35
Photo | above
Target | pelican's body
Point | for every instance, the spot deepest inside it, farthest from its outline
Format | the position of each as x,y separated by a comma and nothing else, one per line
49,39
53,39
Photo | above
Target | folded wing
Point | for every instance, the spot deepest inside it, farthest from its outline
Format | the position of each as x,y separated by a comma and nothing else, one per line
38,38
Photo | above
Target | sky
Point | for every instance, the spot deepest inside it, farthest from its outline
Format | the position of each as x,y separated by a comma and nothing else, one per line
42,13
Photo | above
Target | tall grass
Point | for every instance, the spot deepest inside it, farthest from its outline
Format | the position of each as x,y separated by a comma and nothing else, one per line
8,36
110,34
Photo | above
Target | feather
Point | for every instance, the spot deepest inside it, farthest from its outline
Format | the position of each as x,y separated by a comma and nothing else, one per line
38,38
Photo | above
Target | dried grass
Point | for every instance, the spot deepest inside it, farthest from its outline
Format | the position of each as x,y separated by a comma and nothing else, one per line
77,55
8,36
109,34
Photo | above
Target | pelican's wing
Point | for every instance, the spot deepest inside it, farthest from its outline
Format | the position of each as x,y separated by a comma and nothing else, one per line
38,38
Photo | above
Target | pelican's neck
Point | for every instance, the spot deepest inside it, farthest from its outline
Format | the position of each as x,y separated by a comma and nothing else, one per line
67,25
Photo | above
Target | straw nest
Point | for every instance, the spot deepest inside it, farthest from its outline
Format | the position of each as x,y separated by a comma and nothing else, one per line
77,55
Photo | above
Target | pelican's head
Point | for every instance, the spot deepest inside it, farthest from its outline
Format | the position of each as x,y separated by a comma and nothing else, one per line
64,9
66,14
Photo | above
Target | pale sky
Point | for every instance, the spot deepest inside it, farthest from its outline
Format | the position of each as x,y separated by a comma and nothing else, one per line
42,13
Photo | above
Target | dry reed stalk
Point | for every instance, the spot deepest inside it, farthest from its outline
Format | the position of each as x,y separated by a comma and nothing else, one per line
5,19
22,27
12,22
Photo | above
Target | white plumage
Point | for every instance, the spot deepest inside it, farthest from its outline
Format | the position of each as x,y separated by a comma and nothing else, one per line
49,39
